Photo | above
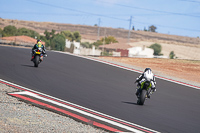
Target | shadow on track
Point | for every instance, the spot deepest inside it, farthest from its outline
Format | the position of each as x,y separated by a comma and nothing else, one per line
129,103
28,65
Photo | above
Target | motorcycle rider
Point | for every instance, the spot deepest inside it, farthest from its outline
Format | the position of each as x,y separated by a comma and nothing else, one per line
142,78
36,46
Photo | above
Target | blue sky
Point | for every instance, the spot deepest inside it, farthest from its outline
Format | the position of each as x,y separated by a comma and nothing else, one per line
175,17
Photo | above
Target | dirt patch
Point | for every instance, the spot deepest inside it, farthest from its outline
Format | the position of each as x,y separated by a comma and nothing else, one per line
183,69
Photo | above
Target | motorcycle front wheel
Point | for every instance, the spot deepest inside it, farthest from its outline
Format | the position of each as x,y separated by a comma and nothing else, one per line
36,62
142,97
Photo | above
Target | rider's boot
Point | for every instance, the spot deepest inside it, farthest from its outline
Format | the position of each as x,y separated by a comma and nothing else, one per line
32,58
137,92
148,95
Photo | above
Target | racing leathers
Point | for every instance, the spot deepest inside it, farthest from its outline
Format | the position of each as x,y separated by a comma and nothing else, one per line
35,47
141,79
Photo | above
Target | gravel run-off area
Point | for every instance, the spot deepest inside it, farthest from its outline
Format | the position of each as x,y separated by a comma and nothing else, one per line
19,117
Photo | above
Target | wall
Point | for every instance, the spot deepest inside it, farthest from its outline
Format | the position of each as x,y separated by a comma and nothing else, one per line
88,51
141,52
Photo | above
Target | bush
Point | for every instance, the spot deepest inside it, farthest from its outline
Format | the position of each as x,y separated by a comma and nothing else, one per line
171,55
77,36
109,39
68,35
1,32
97,43
105,53
157,48
58,42
86,45
9,31
27,32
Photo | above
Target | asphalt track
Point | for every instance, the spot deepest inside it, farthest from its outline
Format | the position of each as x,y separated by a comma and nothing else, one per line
173,108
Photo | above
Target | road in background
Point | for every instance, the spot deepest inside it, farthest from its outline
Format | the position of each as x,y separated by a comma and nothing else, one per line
104,88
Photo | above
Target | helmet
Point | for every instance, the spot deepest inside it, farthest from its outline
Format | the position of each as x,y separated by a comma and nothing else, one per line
146,69
148,75
39,40
39,43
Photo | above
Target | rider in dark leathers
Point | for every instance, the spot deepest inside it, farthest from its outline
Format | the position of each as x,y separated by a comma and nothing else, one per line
36,46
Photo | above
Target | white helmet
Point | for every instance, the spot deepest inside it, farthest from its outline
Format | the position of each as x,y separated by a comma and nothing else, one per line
148,75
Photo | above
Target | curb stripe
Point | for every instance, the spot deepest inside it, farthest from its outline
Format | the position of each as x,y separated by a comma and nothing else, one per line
99,115
134,129
68,113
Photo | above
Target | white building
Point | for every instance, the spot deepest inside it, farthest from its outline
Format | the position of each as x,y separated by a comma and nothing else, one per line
67,43
141,52
89,51
76,46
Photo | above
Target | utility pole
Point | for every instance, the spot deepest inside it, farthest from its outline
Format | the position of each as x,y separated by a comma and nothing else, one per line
129,29
99,28
104,40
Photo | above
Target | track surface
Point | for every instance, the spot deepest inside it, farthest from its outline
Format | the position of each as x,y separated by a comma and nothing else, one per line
173,108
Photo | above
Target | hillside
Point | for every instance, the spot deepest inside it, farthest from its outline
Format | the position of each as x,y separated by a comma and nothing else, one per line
184,47
92,30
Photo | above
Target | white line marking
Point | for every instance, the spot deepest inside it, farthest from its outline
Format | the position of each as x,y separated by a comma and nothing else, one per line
82,112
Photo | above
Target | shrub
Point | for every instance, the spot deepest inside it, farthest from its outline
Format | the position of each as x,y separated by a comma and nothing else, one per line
58,42
171,55
157,48
9,31
86,45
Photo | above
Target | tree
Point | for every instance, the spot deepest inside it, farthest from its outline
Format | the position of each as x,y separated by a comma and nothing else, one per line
1,32
152,28
44,39
171,55
157,48
97,43
58,42
52,33
9,31
109,39
68,35
27,32
47,35
86,45
77,36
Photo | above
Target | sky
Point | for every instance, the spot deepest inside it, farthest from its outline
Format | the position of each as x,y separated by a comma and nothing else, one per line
174,17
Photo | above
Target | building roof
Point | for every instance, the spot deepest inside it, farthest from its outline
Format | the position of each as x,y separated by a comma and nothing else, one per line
21,39
116,46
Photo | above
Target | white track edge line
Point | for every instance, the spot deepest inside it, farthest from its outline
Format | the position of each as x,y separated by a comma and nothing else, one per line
79,111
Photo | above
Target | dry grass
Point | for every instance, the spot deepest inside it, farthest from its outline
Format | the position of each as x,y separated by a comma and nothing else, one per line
183,69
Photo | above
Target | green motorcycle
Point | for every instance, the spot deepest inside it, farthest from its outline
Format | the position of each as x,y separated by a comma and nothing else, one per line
144,93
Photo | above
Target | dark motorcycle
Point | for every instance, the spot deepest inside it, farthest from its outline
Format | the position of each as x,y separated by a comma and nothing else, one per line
144,93
38,57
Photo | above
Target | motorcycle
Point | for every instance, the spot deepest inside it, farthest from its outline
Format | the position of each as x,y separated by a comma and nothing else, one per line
144,93
38,57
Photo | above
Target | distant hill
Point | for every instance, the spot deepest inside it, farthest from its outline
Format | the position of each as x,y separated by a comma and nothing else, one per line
90,32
